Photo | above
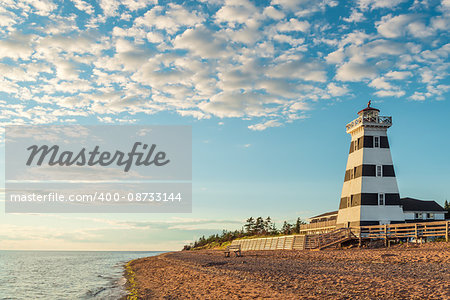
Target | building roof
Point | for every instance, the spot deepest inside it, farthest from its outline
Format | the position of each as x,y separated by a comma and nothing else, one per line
410,204
325,214
368,108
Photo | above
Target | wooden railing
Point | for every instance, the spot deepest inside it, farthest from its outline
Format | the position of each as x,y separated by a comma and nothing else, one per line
286,242
318,226
320,241
406,230
327,239
382,120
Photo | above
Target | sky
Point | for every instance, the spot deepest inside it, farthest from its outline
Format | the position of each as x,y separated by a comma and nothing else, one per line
267,87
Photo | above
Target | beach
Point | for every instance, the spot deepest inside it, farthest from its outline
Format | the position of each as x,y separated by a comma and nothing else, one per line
406,271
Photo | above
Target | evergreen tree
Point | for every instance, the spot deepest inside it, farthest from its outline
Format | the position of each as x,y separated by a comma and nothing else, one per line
273,229
447,208
250,225
286,229
267,225
259,225
297,225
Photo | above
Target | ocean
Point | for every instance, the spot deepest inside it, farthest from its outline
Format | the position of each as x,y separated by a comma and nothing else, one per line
64,274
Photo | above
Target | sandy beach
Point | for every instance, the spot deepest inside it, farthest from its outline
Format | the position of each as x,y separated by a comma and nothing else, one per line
401,272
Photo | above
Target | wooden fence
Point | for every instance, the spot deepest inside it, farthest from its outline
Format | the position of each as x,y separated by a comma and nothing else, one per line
287,242
316,241
405,230
318,227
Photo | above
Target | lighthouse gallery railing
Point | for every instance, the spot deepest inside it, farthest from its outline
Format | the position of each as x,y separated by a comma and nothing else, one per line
381,120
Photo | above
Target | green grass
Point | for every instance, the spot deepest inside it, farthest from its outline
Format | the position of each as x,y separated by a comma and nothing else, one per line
131,284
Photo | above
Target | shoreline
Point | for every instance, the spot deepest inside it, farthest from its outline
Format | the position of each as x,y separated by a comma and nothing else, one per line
406,272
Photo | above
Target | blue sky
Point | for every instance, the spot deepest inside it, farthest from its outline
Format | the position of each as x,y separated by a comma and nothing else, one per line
268,87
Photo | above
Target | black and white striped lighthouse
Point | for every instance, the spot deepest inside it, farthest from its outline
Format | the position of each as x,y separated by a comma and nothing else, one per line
370,193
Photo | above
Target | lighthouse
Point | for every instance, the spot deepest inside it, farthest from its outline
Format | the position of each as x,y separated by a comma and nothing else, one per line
370,193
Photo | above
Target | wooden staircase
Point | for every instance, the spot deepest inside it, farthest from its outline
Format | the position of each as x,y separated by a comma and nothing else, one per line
335,237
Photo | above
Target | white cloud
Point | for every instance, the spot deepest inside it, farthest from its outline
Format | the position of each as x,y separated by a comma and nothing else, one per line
234,104
418,96
293,25
380,83
229,58
155,37
282,38
138,4
273,13
301,69
299,105
355,71
336,90
264,125
335,57
17,46
356,16
42,7
398,75
373,4
384,93
236,11
201,41
393,27
419,30
170,19
109,7
83,6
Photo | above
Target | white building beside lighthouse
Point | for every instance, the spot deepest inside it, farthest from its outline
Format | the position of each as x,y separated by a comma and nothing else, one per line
370,193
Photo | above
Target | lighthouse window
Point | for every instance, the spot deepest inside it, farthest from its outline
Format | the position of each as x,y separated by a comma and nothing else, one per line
379,171
381,199
376,141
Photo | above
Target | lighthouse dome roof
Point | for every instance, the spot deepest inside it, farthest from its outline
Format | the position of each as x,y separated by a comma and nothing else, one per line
368,108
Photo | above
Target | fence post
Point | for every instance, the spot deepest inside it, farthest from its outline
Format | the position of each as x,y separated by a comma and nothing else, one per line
385,235
446,231
416,233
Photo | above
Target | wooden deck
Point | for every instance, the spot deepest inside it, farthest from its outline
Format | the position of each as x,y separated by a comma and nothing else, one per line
405,230
338,236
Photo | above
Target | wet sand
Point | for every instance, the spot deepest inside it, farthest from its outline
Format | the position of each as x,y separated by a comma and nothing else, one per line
401,272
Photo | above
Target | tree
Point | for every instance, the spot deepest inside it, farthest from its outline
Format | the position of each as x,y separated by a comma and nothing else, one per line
250,225
267,224
297,225
259,225
447,208
273,229
286,229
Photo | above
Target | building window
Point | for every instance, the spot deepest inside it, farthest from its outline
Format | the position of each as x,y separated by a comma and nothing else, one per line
379,171
376,141
430,216
356,145
349,201
380,199
418,216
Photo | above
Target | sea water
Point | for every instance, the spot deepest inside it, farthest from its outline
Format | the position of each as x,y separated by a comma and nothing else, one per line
65,274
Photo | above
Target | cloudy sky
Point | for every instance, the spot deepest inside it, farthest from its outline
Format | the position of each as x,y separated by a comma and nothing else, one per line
267,86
